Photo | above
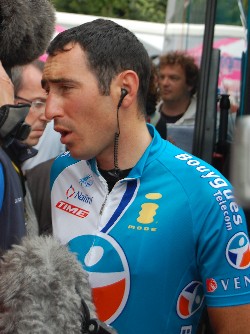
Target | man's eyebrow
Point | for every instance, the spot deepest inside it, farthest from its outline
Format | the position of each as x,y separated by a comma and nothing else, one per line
45,82
39,98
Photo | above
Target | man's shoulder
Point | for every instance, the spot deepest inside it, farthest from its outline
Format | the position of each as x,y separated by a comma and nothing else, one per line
195,174
64,159
62,162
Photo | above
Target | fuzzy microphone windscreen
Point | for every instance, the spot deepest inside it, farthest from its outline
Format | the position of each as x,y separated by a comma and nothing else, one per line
41,288
26,28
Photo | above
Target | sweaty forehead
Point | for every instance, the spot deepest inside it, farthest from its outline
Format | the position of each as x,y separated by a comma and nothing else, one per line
53,65
71,61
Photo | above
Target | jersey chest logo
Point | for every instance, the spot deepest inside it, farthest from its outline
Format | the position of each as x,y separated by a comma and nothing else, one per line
108,270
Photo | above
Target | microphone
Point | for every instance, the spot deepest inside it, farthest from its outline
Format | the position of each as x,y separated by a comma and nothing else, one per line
26,29
44,289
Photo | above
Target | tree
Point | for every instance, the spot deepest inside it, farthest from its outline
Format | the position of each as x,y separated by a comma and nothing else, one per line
145,10
154,11
228,12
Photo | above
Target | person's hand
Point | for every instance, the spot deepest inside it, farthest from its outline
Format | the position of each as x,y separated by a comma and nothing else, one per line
6,88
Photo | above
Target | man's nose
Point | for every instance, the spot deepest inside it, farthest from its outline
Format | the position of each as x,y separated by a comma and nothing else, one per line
165,81
53,108
44,118
39,108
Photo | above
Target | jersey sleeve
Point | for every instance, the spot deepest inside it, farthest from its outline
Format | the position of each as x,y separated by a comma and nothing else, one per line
224,251
220,234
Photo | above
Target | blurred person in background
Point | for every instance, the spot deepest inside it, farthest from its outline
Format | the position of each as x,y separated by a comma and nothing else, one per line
27,85
153,94
178,77
43,140
15,153
12,214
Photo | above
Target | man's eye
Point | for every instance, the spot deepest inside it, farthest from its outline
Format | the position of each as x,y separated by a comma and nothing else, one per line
46,90
39,104
65,88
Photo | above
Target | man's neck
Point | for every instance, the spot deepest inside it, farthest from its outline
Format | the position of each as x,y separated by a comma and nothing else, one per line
175,108
132,142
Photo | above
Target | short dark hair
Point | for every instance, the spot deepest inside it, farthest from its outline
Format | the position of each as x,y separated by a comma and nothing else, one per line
17,73
110,49
187,62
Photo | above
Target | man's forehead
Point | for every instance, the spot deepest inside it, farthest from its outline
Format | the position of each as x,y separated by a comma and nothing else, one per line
57,64
69,53
172,68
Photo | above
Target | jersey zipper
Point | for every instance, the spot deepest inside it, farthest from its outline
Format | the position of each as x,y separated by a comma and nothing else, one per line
103,205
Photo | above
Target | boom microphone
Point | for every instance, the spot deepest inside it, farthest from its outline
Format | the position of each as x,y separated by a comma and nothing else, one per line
26,28
44,289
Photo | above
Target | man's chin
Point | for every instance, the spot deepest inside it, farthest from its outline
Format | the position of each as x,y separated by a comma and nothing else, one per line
79,155
31,142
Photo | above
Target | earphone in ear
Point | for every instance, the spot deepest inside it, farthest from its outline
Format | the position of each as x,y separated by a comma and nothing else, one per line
124,92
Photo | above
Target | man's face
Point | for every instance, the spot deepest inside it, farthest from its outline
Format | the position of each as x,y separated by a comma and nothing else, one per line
172,83
32,91
85,119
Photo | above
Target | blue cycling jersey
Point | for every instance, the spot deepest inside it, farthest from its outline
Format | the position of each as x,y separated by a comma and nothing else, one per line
166,240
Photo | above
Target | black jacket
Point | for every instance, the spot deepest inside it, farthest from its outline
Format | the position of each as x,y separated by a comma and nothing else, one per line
12,210
12,215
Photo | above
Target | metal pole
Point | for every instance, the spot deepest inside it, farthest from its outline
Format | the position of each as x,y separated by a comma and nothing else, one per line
246,81
202,96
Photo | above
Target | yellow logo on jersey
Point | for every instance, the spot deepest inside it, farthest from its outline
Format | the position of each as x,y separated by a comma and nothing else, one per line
147,213
148,210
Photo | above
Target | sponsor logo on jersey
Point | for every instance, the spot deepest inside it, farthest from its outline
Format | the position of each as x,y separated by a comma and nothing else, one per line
148,209
72,209
70,192
238,251
228,284
147,213
86,181
65,154
190,300
108,270
211,284
230,209
186,330
79,195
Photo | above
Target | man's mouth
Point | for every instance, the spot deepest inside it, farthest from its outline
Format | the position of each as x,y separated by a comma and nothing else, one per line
64,134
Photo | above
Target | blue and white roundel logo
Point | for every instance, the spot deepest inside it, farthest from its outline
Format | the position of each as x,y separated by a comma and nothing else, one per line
106,264
238,251
190,299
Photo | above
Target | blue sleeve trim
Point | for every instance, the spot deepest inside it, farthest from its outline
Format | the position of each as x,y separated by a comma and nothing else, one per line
61,162
229,300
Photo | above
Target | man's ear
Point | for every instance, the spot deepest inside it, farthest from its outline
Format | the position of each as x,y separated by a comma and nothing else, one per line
129,81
